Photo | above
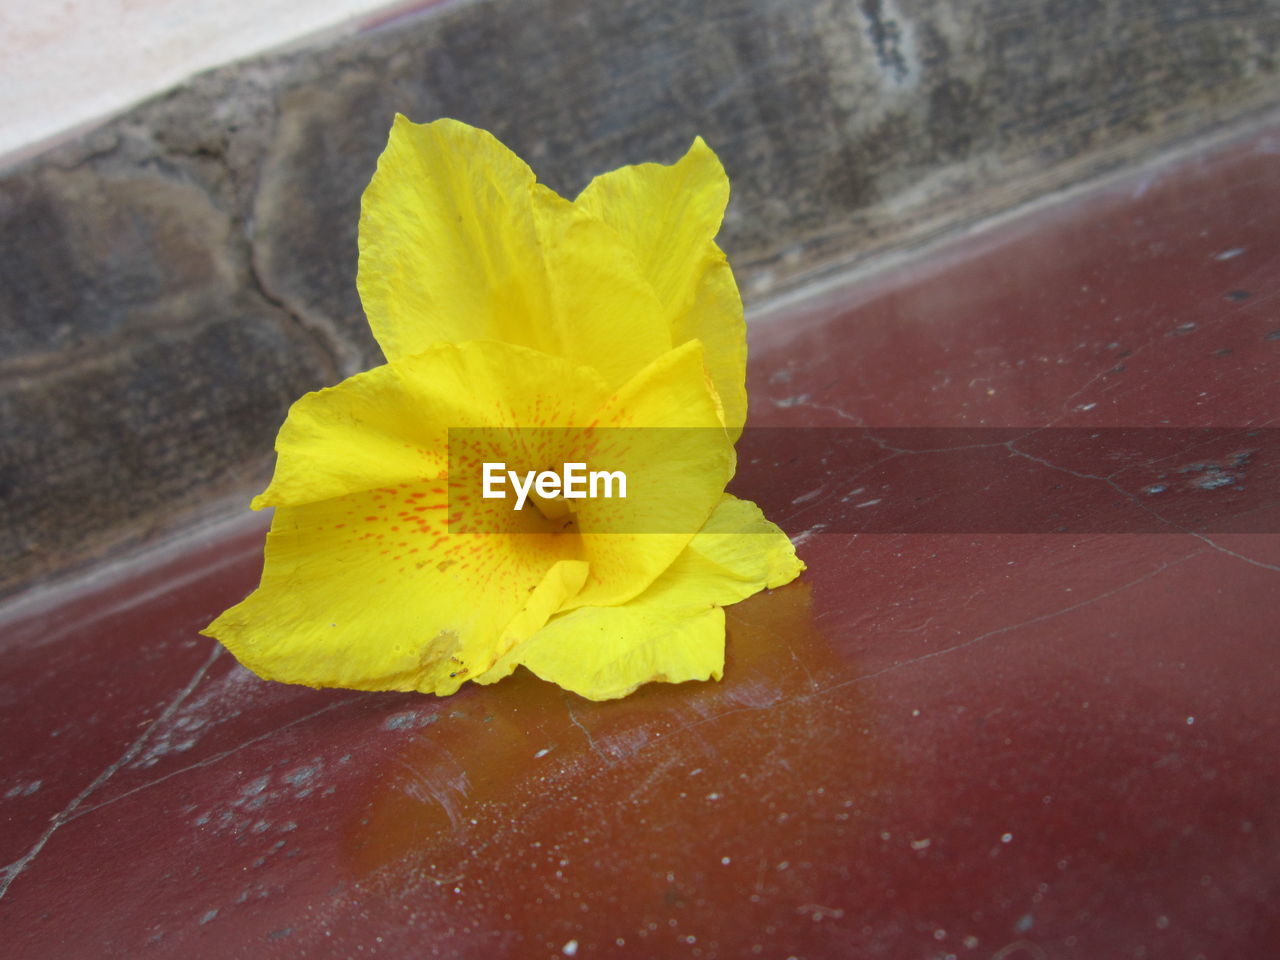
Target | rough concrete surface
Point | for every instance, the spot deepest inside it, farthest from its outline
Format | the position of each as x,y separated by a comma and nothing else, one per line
170,282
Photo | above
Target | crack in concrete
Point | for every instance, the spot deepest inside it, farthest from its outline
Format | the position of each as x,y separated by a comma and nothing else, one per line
341,357
591,741
216,757
1014,450
11,872
1128,495
338,362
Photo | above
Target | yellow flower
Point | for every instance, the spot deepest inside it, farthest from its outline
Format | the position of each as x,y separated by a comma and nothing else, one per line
538,324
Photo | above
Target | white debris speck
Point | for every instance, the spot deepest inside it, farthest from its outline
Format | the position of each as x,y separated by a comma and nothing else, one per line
726,861
24,789
921,844
804,535
806,497
1006,838
542,753
867,503
301,776
793,401
1190,721
1229,254
1086,406
409,720
570,948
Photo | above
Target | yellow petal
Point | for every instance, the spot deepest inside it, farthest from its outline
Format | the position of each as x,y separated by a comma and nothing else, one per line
369,591
560,584
670,215
448,246
663,431
603,311
674,631
458,242
390,424
736,554
716,319
602,653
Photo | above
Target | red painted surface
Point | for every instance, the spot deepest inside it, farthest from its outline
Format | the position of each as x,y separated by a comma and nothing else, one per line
1013,746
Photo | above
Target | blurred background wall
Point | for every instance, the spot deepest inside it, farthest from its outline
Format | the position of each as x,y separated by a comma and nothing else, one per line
173,277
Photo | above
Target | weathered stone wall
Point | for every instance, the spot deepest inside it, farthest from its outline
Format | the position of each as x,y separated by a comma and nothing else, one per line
170,282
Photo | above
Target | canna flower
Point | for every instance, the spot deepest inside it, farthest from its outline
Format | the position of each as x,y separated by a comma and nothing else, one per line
521,327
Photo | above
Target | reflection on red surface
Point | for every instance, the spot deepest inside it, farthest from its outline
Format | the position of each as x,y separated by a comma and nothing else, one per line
542,785
979,745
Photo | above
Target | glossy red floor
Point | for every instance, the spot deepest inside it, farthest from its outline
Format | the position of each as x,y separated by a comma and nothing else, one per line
984,744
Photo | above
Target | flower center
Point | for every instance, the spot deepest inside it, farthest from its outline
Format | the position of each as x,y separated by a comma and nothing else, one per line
556,509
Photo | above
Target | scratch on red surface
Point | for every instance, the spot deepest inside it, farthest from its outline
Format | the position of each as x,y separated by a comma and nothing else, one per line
12,871
217,757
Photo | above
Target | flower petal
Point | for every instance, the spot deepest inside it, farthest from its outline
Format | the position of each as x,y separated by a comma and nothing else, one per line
716,319
670,215
664,433
737,554
458,242
604,312
390,425
370,591
672,632
448,246
560,584
602,653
